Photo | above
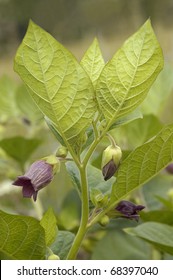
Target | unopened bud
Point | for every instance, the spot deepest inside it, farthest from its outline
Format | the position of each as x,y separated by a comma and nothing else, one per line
104,221
110,161
53,257
98,199
62,152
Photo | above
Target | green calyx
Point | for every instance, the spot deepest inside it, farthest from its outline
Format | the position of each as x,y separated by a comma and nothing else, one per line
54,161
62,152
111,153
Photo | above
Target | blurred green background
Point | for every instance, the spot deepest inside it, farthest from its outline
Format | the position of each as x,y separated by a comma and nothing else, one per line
24,136
75,23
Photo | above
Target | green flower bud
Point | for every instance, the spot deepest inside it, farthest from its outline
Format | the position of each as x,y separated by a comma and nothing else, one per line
62,152
98,199
110,161
104,221
53,257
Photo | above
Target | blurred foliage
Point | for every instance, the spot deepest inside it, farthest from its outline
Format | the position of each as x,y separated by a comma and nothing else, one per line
76,19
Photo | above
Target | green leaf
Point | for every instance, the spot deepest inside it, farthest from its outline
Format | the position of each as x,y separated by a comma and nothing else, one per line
93,62
62,244
94,175
54,131
117,245
70,214
136,114
158,234
22,238
126,79
160,216
144,163
139,131
19,148
48,222
56,81
159,186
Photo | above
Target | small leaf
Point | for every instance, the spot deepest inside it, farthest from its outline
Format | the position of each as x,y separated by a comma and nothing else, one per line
19,148
144,163
127,77
62,244
48,222
58,84
93,62
158,234
22,238
54,131
95,178
136,114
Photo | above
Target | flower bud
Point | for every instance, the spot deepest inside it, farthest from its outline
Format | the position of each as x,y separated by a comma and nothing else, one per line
129,210
110,161
104,221
53,257
98,199
38,176
62,152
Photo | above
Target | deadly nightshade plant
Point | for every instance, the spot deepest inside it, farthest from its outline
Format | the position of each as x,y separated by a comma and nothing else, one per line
82,102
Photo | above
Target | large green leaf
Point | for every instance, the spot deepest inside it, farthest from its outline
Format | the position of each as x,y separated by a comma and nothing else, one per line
160,216
126,79
93,62
144,163
158,234
48,222
117,245
56,81
22,238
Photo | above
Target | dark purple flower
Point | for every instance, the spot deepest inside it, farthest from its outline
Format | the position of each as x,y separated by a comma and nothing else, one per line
129,210
109,169
39,174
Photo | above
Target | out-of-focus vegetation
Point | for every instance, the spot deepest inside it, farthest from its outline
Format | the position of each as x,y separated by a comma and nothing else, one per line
24,136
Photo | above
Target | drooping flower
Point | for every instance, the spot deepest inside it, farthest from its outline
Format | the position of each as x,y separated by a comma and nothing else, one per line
39,175
129,210
110,161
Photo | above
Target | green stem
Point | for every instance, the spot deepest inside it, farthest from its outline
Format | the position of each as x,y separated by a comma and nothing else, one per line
84,218
84,197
